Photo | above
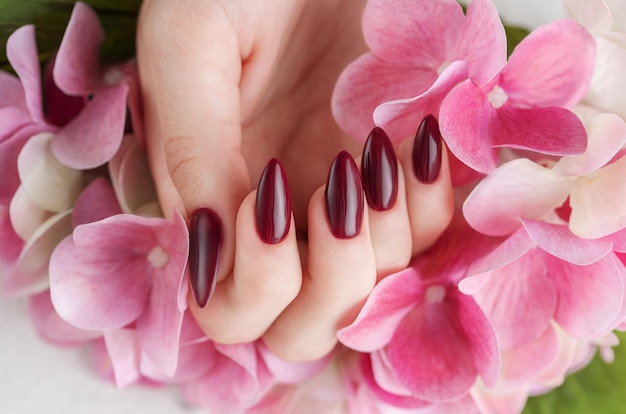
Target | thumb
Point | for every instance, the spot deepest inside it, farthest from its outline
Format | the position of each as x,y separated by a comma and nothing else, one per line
190,67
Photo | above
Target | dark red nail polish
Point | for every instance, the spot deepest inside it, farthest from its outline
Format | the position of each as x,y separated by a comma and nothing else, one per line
427,150
344,197
205,243
379,168
273,205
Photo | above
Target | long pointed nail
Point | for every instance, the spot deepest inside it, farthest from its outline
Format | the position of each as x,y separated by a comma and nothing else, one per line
344,197
379,168
273,205
205,243
427,150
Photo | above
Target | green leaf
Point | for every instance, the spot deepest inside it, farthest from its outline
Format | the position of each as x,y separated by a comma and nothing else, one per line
514,35
599,388
118,17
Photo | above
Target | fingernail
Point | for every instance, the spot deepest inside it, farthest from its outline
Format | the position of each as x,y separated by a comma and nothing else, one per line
427,150
273,205
379,168
344,197
205,242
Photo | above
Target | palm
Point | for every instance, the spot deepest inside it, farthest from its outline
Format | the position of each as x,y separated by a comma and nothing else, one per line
293,121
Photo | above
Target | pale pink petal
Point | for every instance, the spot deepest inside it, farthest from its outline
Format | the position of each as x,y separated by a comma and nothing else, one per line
401,117
194,361
133,184
431,353
384,374
404,31
390,301
135,105
121,345
291,372
465,117
558,241
12,92
100,277
519,300
590,297
593,14
521,364
551,67
554,374
607,136
26,216
92,138
77,70
96,202
517,189
368,82
23,56
619,240
48,183
552,131
598,201
52,328
608,77
497,401
11,120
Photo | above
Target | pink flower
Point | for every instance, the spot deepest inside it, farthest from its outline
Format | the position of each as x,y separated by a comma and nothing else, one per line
412,45
125,271
524,189
524,105
428,341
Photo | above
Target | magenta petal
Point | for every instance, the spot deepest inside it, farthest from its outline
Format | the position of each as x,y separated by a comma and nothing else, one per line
52,328
390,301
401,117
519,300
465,117
590,297
92,138
558,241
77,70
96,202
23,56
404,31
550,67
517,189
553,131
432,352
60,108
368,82
121,345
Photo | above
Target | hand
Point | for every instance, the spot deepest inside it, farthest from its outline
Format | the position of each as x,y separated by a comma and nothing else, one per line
226,86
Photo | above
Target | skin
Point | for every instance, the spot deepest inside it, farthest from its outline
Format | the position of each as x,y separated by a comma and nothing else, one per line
226,86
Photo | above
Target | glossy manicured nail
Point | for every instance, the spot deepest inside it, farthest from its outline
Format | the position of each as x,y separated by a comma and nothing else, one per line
427,150
205,243
273,205
344,197
379,168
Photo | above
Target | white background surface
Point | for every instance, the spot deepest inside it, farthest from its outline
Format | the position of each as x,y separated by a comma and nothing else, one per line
36,377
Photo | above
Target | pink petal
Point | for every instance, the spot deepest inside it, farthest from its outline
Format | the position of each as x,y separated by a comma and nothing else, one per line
92,138
26,216
517,189
521,364
291,372
519,300
598,201
194,361
465,117
401,117
552,131
368,82
407,32
77,70
554,374
558,241
498,401
135,106
121,345
52,328
550,67
11,120
96,202
431,352
12,92
385,376
23,56
390,302
607,136
49,184
590,297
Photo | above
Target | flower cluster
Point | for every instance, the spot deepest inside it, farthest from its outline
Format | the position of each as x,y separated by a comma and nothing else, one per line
521,289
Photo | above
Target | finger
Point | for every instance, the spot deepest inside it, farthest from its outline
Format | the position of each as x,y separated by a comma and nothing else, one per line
190,87
340,270
429,194
383,182
267,273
